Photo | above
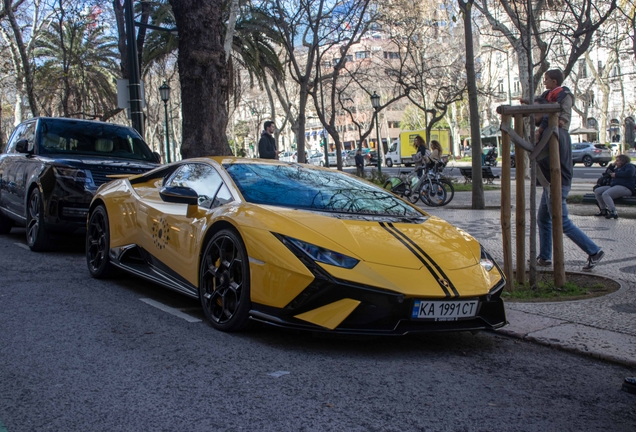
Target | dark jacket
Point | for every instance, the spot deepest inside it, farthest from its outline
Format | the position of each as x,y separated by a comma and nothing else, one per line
267,146
565,156
359,160
625,176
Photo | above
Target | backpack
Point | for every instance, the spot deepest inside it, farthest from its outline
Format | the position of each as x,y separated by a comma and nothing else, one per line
605,178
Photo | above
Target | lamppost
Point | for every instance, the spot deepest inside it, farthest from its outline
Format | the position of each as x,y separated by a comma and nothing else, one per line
375,102
164,92
507,68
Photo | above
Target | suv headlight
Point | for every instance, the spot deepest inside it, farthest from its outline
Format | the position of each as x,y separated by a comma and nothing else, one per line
320,254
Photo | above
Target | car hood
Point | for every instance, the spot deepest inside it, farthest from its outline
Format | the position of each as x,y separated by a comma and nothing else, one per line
398,244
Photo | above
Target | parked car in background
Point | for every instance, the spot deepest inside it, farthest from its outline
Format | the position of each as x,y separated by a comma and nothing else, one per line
52,167
590,153
333,161
287,157
317,158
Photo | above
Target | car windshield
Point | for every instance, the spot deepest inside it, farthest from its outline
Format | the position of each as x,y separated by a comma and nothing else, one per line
92,139
312,189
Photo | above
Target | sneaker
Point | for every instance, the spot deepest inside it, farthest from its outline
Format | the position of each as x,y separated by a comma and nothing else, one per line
602,212
611,215
592,260
543,262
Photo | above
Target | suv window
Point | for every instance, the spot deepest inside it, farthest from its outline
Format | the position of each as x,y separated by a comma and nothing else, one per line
92,138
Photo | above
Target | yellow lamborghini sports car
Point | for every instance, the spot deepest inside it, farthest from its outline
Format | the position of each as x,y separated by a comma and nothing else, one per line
295,246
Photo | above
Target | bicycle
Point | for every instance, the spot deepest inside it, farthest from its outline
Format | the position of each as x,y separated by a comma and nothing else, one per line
428,190
429,187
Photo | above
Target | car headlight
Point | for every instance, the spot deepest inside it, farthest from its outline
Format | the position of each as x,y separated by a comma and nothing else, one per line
321,254
72,174
486,260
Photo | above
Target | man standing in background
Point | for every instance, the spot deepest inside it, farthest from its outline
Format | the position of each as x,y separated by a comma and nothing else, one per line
267,143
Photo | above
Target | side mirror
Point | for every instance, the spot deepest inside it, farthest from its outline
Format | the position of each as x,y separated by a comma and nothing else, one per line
157,157
22,146
179,195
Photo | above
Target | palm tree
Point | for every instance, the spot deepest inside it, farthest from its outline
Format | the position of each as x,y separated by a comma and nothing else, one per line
76,68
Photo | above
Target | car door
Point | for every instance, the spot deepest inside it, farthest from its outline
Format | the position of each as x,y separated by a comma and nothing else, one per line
6,167
169,234
15,172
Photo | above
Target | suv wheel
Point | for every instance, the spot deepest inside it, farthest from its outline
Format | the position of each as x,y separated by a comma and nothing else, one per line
587,161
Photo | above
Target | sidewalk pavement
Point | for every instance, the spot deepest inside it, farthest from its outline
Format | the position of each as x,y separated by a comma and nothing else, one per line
603,327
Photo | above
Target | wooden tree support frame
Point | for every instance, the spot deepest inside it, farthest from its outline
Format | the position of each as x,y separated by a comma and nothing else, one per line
515,135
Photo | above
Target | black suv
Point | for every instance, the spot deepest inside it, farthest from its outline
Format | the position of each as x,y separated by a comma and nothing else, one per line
52,167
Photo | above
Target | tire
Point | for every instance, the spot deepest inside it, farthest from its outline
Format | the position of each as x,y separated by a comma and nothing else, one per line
587,161
433,193
512,163
98,244
413,196
224,282
603,164
389,163
5,224
449,189
37,238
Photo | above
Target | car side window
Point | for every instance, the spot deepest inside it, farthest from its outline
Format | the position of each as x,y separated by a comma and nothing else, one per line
28,133
205,180
15,137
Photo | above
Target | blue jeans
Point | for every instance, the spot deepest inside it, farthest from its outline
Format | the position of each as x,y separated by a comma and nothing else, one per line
544,220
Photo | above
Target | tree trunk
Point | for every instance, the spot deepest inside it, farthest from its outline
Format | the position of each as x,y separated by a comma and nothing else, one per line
475,133
204,77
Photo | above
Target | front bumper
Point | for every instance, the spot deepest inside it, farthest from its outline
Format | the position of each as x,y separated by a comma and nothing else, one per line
380,312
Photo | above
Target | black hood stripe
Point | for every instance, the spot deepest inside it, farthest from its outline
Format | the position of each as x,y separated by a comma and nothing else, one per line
419,249
422,260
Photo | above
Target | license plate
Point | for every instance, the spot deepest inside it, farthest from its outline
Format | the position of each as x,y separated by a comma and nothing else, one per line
444,310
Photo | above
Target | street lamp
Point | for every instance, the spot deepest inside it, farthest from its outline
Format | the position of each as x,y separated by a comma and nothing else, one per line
507,67
375,102
164,92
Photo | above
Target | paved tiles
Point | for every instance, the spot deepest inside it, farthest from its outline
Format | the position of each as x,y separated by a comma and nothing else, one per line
604,327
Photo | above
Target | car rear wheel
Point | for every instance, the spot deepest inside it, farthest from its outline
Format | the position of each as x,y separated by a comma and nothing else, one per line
389,163
512,163
37,238
224,282
603,164
98,244
5,224
587,161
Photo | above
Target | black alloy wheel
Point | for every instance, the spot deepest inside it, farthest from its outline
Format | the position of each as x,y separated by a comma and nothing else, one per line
37,238
587,161
603,164
224,282
512,162
98,244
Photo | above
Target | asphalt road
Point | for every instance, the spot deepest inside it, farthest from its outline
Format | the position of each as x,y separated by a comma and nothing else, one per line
77,354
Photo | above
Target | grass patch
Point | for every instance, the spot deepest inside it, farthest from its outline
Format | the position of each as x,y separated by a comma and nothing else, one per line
574,199
465,187
577,287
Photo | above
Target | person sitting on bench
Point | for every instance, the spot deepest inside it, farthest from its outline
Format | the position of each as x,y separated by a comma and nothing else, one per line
623,183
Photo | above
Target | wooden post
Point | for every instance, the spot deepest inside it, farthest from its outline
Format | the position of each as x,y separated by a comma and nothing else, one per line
520,200
557,209
505,206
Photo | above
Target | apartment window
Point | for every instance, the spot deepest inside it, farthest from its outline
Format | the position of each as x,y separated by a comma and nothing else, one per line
363,54
500,86
516,85
582,69
600,67
348,58
391,55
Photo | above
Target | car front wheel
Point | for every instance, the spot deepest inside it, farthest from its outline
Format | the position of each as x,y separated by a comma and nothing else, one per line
224,282
37,238
98,244
587,161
